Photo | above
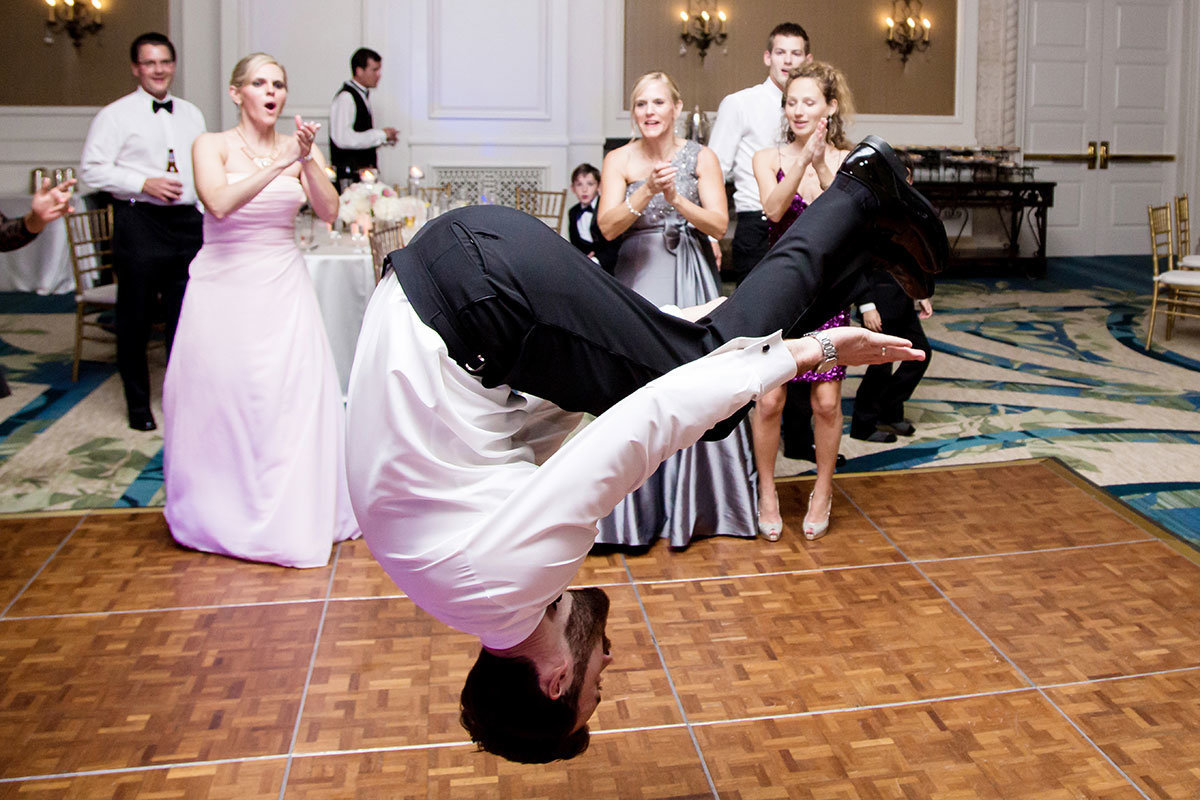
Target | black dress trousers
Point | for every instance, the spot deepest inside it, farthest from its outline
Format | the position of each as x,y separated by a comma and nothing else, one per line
516,304
152,248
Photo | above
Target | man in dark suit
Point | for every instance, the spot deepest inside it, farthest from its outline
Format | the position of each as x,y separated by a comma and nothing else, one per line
879,403
582,227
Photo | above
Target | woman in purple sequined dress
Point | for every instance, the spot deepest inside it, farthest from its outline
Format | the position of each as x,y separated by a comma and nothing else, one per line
816,104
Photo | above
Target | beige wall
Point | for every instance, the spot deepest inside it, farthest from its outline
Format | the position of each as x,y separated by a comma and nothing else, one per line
848,33
61,74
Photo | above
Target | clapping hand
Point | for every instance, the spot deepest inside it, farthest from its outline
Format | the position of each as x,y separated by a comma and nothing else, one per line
662,180
306,133
814,148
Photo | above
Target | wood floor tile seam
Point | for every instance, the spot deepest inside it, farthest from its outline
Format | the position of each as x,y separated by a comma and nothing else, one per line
708,723
46,563
163,610
1039,551
91,773
1112,678
1083,734
662,660
312,665
779,573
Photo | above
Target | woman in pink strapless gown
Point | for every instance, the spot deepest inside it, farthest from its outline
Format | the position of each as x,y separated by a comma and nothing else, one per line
254,422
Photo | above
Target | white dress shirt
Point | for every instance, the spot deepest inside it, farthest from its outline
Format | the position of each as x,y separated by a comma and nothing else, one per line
747,121
583,225
341,121
128,142
463,493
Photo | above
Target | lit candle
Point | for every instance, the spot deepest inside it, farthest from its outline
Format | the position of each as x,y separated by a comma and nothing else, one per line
367,176
704,21
891,23
721,18
50,10
330,173
415,173
910,22
683,15
96,5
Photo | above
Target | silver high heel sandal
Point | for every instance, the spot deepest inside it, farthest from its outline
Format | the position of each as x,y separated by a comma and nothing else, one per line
771,531
815,530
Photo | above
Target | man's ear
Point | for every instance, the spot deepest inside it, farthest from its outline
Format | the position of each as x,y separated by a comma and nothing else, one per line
557,682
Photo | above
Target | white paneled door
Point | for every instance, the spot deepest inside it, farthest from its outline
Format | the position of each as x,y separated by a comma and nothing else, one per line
1101,88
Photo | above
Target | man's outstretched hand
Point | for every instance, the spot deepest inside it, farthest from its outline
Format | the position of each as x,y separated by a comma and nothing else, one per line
855,347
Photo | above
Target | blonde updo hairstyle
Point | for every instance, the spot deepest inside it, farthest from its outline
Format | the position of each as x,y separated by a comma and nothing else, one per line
832,84
641,83
247,66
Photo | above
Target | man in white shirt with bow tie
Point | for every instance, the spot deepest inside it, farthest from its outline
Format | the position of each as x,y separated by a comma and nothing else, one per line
139,149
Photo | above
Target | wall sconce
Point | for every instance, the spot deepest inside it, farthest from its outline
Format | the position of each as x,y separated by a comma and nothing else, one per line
702,31
907,29
78,19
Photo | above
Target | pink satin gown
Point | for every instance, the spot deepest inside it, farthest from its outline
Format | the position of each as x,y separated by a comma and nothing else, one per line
254,425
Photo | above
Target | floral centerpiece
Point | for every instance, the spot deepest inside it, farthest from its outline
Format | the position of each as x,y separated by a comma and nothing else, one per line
378,202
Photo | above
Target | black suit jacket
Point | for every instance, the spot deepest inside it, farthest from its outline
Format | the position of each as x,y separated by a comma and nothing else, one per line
606,251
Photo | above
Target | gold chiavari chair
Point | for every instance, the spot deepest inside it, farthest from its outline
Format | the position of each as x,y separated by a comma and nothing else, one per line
384,238
89,242
1179,289
1185,258
546,206
435,195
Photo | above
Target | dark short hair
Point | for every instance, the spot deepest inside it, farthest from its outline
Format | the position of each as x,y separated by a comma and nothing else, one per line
789,29
361,56
585,169
150,37
506,712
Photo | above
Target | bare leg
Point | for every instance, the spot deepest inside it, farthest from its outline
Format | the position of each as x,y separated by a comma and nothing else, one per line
768,412
827,435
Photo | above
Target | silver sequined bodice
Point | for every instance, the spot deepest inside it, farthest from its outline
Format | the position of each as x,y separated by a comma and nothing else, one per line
659,211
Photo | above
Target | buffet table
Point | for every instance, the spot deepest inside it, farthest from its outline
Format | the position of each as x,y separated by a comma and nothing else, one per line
43,265
1019,204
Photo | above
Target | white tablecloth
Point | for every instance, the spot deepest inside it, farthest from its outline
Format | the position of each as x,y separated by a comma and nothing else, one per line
43,265
344,280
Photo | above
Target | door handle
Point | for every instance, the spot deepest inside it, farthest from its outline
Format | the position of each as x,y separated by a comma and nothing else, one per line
1088,158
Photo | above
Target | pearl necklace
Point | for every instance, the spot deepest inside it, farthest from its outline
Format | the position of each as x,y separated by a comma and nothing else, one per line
262,162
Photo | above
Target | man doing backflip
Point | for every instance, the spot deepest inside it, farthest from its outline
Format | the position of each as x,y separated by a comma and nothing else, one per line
474,363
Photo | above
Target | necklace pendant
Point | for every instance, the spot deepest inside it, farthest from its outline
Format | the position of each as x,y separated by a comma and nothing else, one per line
262,162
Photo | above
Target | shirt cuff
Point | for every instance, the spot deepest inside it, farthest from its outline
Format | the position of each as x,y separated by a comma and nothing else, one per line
865,307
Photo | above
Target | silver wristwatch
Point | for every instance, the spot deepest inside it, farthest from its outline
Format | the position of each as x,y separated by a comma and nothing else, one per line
827,350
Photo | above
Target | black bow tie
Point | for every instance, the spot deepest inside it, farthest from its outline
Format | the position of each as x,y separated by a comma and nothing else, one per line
589,207
168,105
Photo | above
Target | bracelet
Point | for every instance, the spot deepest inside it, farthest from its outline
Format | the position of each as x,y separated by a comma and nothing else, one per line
632,210
305,159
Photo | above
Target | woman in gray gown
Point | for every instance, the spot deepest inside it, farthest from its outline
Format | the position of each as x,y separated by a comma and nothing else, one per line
666,195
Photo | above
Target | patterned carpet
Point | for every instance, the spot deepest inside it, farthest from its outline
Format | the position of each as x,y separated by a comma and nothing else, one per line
1021,369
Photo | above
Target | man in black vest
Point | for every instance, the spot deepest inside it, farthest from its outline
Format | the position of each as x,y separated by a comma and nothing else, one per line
353,136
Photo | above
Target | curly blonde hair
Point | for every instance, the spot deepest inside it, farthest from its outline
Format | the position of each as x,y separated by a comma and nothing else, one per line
833,86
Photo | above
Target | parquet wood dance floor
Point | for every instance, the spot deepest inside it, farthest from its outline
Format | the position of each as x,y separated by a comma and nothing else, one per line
1003,631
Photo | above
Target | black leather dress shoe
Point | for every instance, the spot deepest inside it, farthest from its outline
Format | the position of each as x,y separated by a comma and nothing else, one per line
878,437
911,241
142,420
901,428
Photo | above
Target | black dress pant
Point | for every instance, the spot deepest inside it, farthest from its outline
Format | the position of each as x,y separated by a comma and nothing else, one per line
516,304
884,390
152,248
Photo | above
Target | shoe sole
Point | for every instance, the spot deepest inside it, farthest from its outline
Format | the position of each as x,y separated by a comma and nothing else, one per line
939,243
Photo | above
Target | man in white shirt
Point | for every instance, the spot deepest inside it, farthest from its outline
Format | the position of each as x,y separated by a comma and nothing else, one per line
748,121
477,356
353,137
139,149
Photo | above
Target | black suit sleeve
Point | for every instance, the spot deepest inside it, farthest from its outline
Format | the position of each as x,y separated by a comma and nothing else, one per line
13,233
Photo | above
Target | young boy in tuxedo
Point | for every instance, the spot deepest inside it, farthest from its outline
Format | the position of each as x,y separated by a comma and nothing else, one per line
582,228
